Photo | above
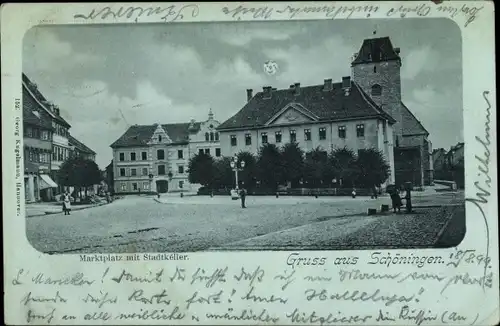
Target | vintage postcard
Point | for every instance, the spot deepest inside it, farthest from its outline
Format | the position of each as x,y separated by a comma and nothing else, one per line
272,163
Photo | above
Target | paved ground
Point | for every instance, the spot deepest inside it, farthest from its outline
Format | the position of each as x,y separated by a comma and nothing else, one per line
140,224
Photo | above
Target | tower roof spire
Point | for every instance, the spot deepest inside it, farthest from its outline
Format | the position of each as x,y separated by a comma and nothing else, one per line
210,114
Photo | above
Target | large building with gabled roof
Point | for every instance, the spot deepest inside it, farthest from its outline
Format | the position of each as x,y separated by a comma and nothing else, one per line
361,111
154,158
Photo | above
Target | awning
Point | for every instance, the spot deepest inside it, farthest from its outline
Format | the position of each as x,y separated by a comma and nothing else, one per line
46,182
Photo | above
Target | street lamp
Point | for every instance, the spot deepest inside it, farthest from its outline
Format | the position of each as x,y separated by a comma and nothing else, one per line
236,168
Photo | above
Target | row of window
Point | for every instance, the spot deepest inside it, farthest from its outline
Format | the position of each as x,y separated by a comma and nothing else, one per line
211,136
145,186
360,132
60,153
160,155
145,171
207,151
37,133
36,156
60,130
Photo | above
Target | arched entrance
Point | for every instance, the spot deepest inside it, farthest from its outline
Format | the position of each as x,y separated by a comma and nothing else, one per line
162,186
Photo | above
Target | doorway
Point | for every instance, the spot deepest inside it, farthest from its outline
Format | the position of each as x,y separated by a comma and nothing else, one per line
162,186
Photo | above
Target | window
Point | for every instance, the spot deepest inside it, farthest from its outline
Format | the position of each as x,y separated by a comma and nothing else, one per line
29,132
181,184
160,154
145,185
342,132
144,171
216,136
122,172
233,140
376,90
45,135
322,133
159,138
31,156
133,172
211,136
360,130
217,152
293,136
54,153
278,136
375,69
207,151
248,139
161,169
122,156
207,136
180,169
180,154
264,137
144,156
132,156
124,186
200,151
134,186
307,134
36,133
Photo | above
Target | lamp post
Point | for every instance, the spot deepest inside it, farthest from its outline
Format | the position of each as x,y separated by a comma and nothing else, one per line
236,168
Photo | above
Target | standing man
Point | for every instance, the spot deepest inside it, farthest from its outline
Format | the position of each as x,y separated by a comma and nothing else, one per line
243,194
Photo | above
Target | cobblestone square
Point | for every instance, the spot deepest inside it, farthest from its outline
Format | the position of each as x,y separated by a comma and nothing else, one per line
195,223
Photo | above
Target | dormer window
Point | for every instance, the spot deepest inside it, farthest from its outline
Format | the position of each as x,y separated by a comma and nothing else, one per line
159,139
376,90
375,69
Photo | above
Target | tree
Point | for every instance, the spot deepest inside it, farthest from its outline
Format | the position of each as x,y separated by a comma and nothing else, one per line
249,174
293,163
373,168
316,168
269,166
223,174
79,172
344,168
201,169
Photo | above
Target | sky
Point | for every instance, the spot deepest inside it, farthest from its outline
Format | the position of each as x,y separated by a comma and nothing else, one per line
105,78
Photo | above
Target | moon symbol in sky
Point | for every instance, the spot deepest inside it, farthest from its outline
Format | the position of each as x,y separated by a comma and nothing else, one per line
270,67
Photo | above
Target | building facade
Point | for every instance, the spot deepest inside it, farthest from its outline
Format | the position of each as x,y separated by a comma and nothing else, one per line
79,149
155,158
61,150
37,142
328,116
376,68
363,111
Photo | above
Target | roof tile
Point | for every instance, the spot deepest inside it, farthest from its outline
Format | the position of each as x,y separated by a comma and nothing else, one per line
326,104
376,50
140,135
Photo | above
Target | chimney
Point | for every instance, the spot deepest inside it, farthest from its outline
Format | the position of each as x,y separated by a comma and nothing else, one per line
346,85
297,88
346,82
267,90
249,94
328,85
274,89
397,50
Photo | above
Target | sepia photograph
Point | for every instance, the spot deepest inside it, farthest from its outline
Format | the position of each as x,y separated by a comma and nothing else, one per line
318,135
